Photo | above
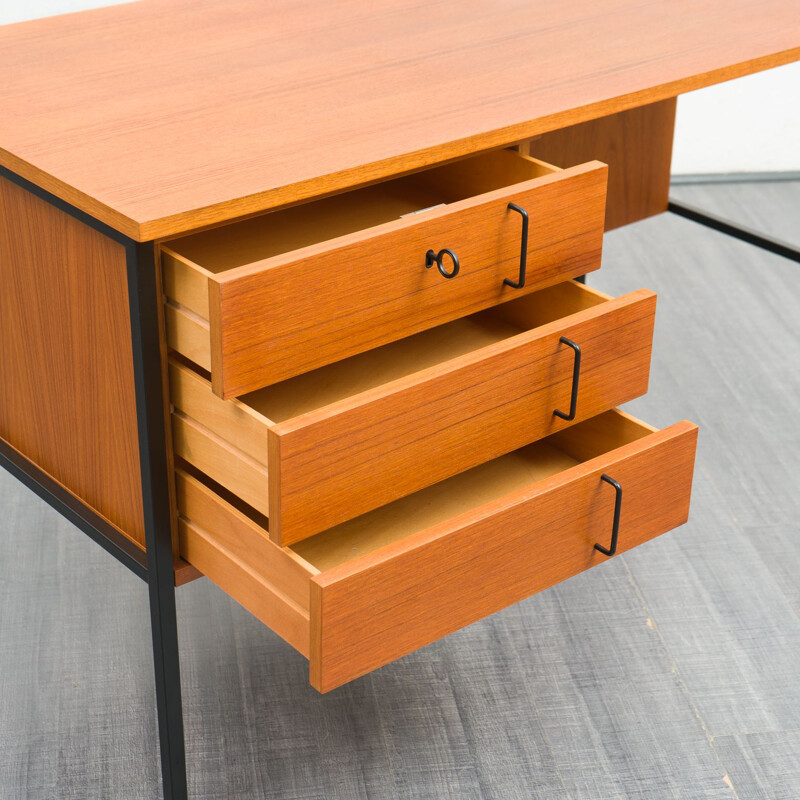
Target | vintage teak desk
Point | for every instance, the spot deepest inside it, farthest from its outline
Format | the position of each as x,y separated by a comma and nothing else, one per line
289,299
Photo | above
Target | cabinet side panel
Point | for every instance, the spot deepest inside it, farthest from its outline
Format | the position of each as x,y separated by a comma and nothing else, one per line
636,145
67,398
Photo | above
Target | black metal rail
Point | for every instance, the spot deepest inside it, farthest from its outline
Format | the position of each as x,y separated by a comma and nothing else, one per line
66,504
737,231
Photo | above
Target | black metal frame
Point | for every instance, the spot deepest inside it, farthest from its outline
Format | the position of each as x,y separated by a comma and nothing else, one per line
737,231
523,248
95,527
156,567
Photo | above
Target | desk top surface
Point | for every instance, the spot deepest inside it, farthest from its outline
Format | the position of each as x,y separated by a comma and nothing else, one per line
163,115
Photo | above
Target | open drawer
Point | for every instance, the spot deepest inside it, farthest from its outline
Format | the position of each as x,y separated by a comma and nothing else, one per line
368,591
327,446
268,298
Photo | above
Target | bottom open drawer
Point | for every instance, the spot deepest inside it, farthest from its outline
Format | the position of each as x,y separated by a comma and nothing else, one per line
370,590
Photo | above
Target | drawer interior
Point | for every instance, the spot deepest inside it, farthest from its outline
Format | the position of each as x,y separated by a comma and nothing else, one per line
430,348
468,490
248,241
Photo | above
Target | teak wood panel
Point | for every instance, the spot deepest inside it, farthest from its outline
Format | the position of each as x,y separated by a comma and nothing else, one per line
376,609
188,334
163,117
263,236
234,422
184,571
67,399
297,312
222,463
338,462
362,433
408,573
235,553
637,146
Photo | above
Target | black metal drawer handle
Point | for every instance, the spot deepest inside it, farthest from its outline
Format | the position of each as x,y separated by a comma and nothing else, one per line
576,374
523,253
432,258
617,509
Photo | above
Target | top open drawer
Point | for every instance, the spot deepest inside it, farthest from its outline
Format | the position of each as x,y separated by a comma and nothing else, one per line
268,298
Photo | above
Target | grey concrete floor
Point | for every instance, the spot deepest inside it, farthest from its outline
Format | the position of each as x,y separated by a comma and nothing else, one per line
670,672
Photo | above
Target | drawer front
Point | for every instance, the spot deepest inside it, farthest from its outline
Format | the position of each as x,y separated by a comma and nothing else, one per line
293,313
345,459
370,611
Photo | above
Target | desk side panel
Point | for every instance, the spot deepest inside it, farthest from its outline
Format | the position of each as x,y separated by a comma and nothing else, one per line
67,398
636,145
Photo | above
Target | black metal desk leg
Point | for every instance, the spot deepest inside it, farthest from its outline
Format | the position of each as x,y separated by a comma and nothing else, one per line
143,296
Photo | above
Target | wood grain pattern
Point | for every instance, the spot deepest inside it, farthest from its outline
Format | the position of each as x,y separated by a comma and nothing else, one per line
337,442
185,572
163,351
350,457
433,505
367,612
188,334
216,458
185,282
293,313
243,538
637,146
164,117
246,586
66,369
266,235
255,243
233,421
394,580
366,371
235,553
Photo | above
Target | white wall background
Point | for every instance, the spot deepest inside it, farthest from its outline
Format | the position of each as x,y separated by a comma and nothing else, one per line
748,125
20,10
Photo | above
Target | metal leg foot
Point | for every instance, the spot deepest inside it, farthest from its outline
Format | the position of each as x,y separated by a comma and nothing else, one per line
168,690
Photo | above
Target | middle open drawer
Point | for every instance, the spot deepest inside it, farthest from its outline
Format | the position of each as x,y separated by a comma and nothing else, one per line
326,446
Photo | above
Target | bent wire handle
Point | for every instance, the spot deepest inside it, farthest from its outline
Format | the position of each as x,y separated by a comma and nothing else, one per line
576,374
523,253
617,510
